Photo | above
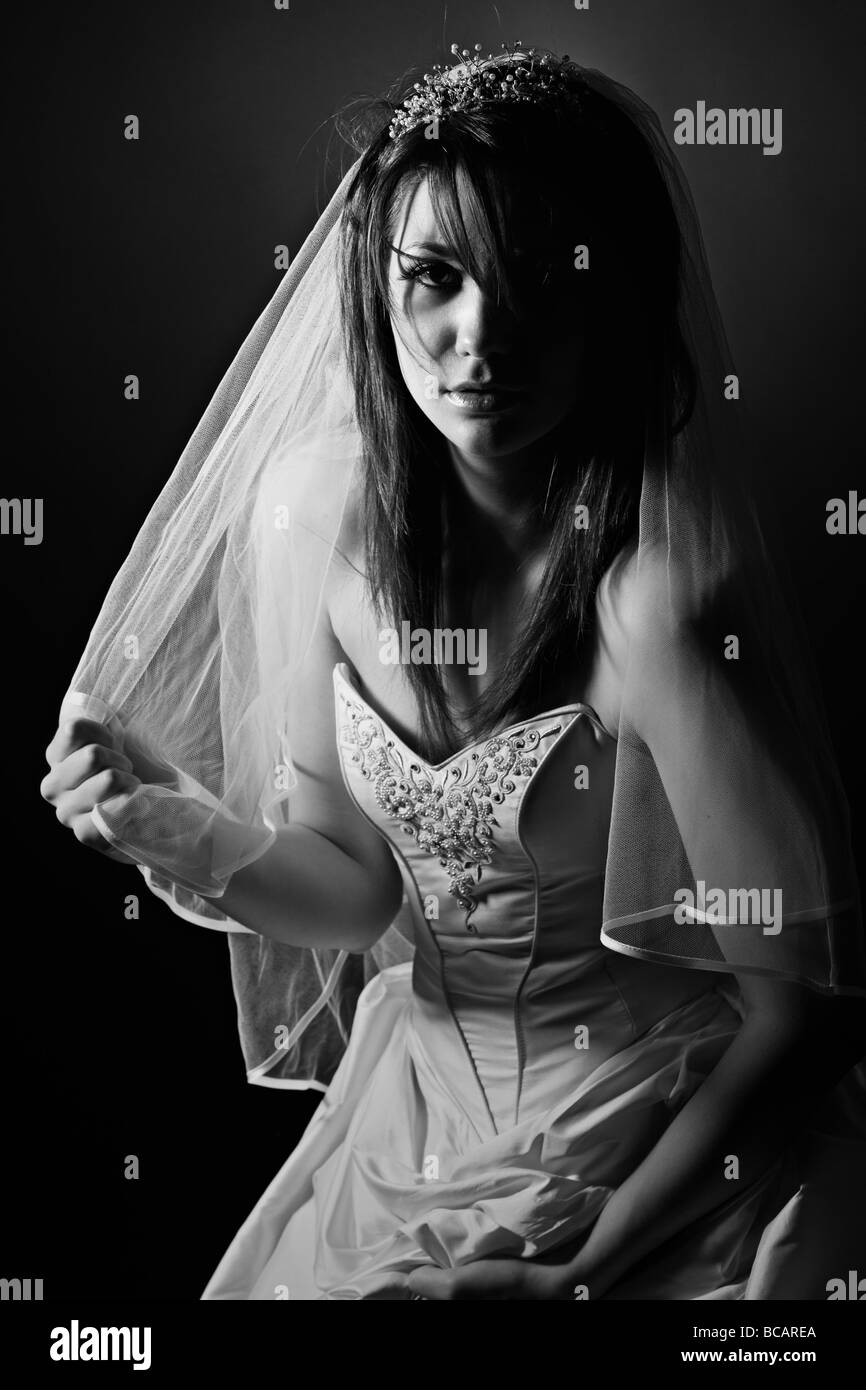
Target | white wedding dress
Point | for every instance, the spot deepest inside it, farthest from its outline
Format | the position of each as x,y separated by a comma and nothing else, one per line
496,1090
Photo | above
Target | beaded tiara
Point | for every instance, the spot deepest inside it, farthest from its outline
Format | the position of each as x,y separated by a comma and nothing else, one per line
516,74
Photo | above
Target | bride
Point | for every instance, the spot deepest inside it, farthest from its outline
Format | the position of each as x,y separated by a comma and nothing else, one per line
490,398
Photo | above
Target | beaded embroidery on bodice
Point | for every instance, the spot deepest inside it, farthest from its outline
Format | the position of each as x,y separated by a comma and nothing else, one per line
449,809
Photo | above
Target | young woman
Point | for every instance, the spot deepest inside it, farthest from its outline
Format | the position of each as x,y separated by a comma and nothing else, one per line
450,674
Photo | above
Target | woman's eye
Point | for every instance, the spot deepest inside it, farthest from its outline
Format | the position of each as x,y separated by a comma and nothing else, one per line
434,275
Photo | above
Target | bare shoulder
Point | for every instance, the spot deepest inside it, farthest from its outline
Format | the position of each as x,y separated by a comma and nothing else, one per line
622,593
638,631
646,593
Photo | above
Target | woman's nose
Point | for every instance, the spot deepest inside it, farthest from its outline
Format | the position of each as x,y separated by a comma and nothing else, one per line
483,325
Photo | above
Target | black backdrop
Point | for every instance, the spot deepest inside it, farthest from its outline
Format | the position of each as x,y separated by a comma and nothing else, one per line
154,257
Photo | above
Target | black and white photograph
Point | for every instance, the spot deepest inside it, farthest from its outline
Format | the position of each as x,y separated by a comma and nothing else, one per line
434,541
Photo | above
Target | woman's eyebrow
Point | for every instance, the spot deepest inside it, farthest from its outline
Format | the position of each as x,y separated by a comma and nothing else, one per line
435,248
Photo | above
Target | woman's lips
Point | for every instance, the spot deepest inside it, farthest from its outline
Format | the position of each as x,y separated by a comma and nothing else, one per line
487,401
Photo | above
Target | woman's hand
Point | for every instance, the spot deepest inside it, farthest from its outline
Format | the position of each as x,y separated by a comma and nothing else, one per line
87,767
548,1277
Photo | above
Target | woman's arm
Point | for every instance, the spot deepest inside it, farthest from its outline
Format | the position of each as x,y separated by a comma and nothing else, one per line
793,1046
325,881
307,890
328,880
730,803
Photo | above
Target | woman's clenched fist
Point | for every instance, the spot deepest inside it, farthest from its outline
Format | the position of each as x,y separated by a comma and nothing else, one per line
87,766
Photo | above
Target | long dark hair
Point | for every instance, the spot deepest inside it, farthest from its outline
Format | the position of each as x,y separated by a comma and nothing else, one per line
589,176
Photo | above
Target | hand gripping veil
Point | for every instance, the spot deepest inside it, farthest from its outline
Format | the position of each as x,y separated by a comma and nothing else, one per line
726,797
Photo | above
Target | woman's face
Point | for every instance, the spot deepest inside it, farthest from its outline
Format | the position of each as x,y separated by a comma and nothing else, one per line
491,382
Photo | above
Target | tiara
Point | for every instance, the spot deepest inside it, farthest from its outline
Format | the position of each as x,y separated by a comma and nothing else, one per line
517,74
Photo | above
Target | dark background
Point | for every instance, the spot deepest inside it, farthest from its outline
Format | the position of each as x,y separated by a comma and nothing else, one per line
154,257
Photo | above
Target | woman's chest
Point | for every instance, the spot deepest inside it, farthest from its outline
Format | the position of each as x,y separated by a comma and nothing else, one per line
468,657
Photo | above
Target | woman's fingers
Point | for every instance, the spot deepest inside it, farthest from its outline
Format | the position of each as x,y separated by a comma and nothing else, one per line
86,769
76,733
80,800
484,1279
74,807
493,1278
83,766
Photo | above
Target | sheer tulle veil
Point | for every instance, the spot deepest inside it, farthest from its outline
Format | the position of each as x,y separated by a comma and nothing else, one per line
726,783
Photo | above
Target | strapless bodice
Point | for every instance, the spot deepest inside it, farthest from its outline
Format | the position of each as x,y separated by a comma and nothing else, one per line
503,850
